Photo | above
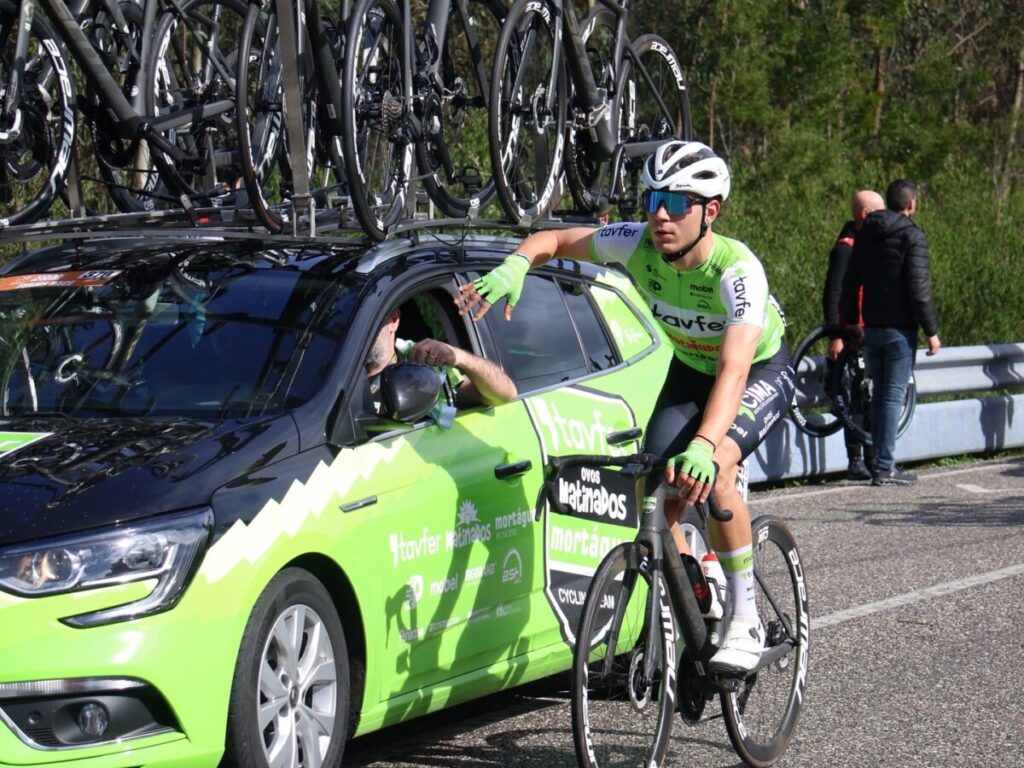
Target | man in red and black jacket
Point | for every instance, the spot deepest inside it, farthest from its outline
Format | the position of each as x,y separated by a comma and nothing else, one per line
861,204
891,261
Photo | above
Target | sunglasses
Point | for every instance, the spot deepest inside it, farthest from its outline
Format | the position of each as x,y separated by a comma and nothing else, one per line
676,203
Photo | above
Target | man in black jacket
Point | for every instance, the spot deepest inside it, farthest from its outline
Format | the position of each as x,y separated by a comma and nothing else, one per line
862,203
890,260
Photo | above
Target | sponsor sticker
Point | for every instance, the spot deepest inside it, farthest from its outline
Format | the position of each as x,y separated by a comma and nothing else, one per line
83,279
12,441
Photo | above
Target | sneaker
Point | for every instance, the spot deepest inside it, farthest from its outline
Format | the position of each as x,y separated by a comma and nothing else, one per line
892,476
741,647
858,470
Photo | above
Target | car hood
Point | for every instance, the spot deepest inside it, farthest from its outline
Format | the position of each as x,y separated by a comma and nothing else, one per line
61,475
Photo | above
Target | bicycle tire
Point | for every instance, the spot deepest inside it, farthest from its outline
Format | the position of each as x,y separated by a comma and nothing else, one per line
762,716
378,159
851,391
194,62
585,173
527,107
450,154
127,171
660,110
34,162
607,686
812,409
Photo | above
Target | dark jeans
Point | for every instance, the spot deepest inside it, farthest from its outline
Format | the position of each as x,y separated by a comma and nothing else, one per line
889,353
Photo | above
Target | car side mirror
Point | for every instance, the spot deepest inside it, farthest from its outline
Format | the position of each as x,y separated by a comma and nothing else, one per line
409,391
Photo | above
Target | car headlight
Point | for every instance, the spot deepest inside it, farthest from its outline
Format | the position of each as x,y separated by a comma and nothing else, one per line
166,549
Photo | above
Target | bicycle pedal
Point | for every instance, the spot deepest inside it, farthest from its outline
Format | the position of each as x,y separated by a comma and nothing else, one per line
728,683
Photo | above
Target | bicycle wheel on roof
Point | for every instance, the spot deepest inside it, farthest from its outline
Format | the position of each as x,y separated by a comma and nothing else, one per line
527,112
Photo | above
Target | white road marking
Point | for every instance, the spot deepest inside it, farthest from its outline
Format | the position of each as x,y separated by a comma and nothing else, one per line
916,596
767,497
978,489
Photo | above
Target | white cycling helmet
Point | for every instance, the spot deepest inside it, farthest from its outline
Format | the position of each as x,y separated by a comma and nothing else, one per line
687,166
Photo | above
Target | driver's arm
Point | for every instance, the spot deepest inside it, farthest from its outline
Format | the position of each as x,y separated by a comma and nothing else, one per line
485,383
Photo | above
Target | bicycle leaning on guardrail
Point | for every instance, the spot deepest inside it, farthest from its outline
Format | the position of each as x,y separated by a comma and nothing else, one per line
643,643
832,394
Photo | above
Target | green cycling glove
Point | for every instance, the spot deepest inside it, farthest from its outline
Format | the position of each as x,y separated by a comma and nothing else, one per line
504,280
696,462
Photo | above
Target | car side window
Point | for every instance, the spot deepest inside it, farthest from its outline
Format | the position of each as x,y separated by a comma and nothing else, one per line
540,344
599,350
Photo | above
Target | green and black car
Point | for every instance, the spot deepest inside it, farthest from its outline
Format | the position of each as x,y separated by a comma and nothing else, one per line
212,545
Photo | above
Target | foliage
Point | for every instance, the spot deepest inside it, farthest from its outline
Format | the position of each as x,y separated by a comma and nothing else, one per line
811,100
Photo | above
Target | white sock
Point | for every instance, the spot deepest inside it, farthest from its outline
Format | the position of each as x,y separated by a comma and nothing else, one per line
739,571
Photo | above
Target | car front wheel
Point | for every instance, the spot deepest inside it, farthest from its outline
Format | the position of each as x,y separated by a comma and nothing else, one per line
290,694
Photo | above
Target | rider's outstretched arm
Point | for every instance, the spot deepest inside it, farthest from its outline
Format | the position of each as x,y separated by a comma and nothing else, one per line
506,280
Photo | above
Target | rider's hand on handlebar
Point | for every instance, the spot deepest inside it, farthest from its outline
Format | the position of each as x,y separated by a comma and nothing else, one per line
693,470
504,281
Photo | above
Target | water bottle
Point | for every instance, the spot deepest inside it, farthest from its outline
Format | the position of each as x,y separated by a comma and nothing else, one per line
717,585
697,581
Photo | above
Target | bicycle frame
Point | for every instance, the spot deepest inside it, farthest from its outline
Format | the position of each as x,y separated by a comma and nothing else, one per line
593,109
130,118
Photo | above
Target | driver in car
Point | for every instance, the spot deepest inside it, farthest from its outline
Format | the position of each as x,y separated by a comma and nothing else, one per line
476,380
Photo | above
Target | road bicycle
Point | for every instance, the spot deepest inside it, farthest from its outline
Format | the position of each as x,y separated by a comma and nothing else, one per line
163,116
419,88
644,642
831,395
274,36
580,98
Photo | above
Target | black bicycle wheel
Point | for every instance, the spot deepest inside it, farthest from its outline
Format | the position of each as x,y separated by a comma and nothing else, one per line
453,153
194,64
852,390
657,107
36,142
762,715
260,114
526,122
587,173
126,167
620,717
812,409
377,147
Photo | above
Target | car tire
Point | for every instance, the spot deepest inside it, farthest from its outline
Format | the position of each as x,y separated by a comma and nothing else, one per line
293,656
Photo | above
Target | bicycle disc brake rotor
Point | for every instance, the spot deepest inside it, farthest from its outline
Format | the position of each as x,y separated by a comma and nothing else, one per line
639,693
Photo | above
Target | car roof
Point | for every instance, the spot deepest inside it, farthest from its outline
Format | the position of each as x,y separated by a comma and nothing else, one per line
125,240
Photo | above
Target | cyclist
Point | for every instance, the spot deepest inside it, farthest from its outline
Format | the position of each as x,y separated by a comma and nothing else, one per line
731,378
863,202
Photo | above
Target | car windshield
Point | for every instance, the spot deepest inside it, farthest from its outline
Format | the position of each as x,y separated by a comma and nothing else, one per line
230,339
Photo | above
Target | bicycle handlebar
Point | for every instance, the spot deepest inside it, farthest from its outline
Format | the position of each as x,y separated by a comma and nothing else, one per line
632,465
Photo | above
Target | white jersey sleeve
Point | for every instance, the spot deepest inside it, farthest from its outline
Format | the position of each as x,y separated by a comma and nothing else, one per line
744,292
616,242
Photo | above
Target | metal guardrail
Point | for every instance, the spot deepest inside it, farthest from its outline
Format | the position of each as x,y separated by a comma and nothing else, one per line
985,422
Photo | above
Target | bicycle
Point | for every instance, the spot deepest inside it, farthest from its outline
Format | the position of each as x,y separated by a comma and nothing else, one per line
166,106
416,87
267,145
623,98
643,643
831,395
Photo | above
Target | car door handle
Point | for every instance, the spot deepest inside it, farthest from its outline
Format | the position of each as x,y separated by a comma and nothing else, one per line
352,506
505,471
624,436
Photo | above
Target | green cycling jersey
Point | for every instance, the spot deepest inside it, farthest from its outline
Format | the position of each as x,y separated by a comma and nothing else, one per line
695,306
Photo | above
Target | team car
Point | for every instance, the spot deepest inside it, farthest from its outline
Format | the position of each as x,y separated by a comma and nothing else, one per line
216,545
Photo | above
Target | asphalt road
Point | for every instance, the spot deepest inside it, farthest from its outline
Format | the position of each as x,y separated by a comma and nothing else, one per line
917,641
